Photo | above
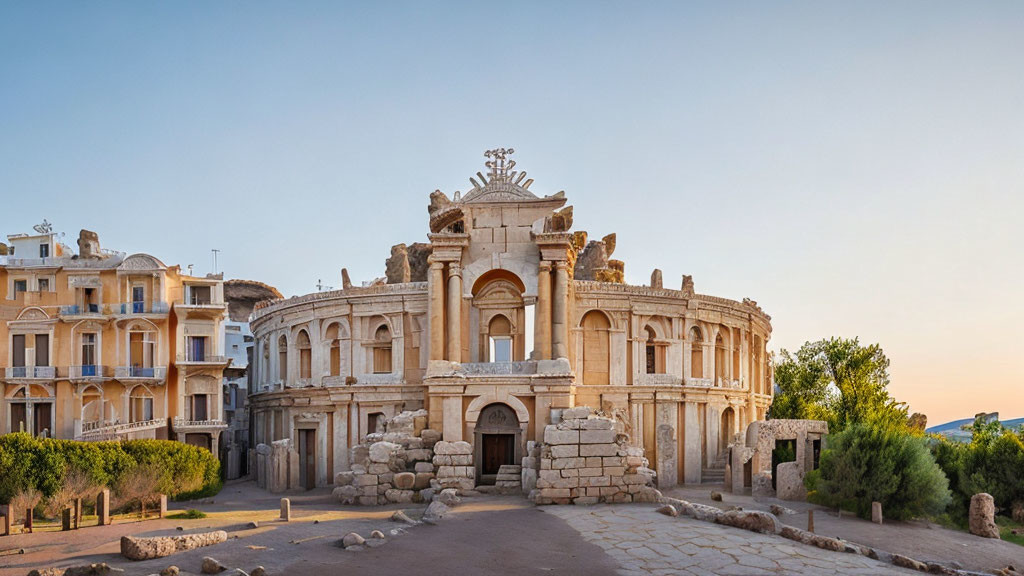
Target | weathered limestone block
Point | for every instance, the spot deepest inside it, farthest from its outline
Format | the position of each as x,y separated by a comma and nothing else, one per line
346,494
430,438
553,435
421,467
598,437
790,483
578,412
399,496
404,480
343,478
101,569
134,548
876,512
656,280
599,450
435,511
211,566
823,542
448,448
382,452
762,485
982,516
352,539
422,480
754,521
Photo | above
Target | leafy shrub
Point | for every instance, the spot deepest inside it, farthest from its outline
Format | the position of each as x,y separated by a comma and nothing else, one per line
992,462
190,514
23,500
865,463
182,471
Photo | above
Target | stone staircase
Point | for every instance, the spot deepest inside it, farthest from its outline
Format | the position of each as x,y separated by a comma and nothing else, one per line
715,473
509,479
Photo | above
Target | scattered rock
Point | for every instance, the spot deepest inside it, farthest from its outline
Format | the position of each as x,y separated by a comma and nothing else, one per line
211,566
352,539
754,521
401,516
377,534
254,524
449,497
435,512
258,571
170,571
668,510
101,569
780,510
905,562
982,516
716,496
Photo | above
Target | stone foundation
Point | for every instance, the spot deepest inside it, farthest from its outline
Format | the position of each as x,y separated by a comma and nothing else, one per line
584,461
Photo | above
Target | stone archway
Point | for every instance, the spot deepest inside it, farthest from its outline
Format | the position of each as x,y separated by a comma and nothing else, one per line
726,427
497,440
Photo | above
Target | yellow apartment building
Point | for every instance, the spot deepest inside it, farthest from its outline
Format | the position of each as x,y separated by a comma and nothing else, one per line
100,345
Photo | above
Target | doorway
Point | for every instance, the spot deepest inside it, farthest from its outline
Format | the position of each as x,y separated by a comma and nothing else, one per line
498,439
307,458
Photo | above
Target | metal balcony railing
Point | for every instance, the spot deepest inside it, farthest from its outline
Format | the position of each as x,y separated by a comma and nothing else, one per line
140,371
184,423
87,371
102,430
76,310
143,308
38,372
192,358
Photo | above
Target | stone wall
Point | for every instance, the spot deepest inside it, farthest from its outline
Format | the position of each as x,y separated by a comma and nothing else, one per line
454,464
583,460
391,467
750,465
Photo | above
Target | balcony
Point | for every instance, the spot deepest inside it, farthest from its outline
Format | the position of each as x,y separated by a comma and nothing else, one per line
201,360
182,425
32,372
75,312
143,308
140,372
106,430
88,372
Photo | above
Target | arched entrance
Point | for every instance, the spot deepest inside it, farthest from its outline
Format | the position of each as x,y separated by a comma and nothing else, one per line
497,439
727,424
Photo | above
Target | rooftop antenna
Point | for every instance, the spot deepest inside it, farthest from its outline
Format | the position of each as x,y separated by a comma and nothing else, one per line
215,252
320,286
44,228
189,269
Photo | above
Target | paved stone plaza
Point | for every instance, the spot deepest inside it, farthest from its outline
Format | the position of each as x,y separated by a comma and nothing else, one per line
644,542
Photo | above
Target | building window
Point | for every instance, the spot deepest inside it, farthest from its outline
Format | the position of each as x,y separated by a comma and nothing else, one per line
44,284
141,353
197,348
382,351
375,422
88,354
199,295
305,355
500,333
44,250
696,353
200,405
20,286
141,406
335,350
138,299
282,359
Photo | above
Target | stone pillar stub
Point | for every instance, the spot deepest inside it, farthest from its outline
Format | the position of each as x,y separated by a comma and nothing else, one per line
5,519
163,505
286,509
65,518
452,413
103,508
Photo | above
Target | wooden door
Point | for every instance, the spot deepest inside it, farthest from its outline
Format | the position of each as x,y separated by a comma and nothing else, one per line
307,459
41,419
498,450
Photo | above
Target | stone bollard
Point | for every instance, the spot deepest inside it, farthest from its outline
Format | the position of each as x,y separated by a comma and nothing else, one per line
5,519
78,512
876,512
286,509
65,518
163,505
28,521
810,521
103,508
981,519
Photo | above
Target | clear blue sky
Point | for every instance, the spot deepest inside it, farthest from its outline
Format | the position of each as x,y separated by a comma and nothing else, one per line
855,167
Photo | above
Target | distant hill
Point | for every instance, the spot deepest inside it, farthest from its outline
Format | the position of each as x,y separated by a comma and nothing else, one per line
953,431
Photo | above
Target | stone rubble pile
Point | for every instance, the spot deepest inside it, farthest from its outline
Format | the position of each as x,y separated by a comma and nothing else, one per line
393,466
583,460
454,464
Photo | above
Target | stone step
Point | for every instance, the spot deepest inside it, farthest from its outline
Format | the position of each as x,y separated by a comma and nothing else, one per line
508,478
510,469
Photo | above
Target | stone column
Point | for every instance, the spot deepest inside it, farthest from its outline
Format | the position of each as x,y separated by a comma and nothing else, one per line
454,312
666,437
542,325
692,458
436,310
560,312
6,520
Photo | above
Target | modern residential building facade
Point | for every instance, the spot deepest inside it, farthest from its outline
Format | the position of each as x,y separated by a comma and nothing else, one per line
103,345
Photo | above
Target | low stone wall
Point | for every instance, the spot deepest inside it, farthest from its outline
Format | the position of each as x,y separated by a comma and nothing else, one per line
393,466
454,464
584,461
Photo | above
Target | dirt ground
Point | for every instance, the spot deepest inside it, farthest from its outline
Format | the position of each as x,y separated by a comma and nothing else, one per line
484,535
919,540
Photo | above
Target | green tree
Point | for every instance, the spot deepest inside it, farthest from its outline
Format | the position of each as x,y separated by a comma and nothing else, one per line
837,380
867,463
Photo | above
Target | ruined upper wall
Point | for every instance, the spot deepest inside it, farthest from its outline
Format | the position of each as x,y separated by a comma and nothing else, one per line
243,295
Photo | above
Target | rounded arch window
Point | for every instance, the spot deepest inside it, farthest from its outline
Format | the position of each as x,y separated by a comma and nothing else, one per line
696,353
500,333
382,350
305,355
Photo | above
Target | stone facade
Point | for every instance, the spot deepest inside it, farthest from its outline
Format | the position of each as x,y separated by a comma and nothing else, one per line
504,320
750,458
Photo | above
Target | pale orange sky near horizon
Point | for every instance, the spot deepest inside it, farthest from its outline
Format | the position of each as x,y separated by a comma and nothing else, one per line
857,168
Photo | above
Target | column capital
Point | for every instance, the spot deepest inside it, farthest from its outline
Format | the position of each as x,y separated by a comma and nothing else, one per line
454,269
544,266
562,265
435,264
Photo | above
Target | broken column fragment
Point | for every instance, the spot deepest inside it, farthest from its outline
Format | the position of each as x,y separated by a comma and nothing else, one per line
397,266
